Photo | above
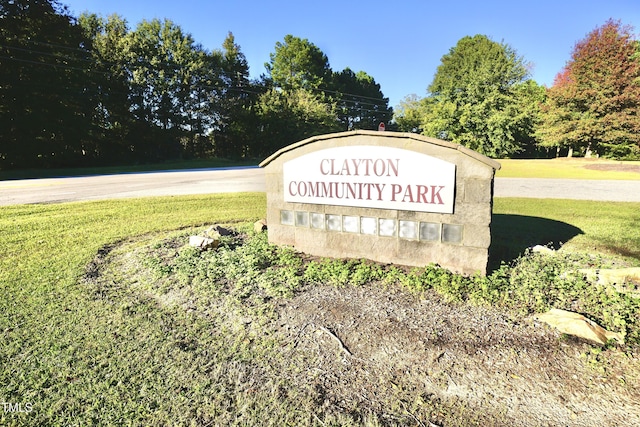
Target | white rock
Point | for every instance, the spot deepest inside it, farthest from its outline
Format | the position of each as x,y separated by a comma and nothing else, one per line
203,242
542,250
624,280
611,276
260,226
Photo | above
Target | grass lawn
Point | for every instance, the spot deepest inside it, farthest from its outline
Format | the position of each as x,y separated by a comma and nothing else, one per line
80,356
66,353
583,225
574,168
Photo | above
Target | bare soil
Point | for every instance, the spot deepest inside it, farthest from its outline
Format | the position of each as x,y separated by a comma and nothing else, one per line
382,350
614,167
504,371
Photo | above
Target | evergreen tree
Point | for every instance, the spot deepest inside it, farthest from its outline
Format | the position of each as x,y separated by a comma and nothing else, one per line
361,103
288,116
234,131
298,64
294,105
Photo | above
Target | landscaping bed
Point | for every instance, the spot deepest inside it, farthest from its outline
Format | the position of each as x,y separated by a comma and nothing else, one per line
351,342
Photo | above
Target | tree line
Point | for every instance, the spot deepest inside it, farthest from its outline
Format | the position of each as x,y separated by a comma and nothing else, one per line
92,91
482,97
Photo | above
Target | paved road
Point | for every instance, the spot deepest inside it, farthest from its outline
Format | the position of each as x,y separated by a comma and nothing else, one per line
577,189
100,187
231,180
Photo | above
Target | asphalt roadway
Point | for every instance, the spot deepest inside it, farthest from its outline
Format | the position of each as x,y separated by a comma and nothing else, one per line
232,180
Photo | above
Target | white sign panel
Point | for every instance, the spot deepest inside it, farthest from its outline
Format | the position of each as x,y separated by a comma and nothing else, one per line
371,177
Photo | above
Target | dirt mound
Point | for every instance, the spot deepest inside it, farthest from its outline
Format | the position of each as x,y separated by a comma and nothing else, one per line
508,372
386,351
614,167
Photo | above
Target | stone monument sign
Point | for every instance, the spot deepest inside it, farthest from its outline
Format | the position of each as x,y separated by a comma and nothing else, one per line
390,197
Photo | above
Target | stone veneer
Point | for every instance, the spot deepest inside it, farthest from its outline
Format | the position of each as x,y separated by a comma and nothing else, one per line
458,241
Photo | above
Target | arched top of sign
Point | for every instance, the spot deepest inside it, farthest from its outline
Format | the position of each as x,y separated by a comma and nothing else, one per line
372,177
394,136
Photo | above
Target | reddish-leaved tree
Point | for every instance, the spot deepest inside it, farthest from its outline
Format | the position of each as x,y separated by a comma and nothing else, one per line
594,103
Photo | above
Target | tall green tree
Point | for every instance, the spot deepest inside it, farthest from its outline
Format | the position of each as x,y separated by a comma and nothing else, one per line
204,86
409,114
594,103
112,117
287,116
294,104
298,64
474,97
46,93
166,66
527,110
235,119
361,103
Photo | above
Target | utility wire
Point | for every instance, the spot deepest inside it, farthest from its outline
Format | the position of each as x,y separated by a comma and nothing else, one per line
68,67
356,97
82,90
341,103
47,54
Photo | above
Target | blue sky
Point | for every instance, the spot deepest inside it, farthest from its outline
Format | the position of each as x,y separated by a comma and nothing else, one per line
400,43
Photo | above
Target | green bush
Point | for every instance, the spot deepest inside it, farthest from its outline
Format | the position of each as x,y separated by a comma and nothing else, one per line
246,264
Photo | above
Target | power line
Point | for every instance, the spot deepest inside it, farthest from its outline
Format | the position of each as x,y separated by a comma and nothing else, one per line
46,54
341,103
350,94
68,67
342,95
56,45
84,90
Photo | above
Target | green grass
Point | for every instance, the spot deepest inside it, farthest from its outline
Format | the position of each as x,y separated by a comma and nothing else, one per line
82,360
573,168
599,227
114,355
106,170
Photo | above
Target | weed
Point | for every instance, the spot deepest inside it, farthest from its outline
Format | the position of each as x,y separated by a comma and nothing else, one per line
533,283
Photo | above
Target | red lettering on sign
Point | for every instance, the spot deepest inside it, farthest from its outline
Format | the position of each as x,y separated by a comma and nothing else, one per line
395,190
422,194
322,166
436,194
